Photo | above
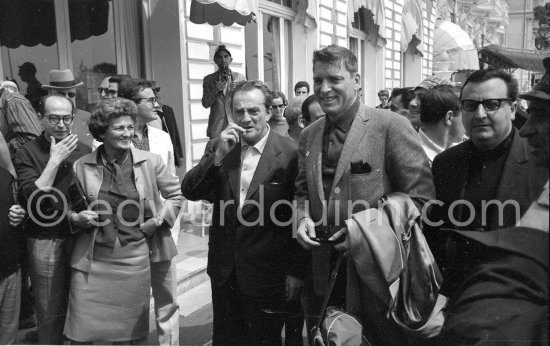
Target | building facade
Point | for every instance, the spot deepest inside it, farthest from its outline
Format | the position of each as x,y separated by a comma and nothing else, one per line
154,39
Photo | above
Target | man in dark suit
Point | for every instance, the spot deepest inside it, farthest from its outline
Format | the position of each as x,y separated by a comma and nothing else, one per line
485,183
347,161
215,90
247,173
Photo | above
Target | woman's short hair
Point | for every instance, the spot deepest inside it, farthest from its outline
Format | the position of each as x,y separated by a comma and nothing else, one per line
107,111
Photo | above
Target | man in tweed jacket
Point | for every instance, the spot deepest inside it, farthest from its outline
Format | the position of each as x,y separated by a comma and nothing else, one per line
349,159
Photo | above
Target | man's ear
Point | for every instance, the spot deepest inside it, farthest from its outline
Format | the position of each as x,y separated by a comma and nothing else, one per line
357,79
301,121
514,107
449,118
268,113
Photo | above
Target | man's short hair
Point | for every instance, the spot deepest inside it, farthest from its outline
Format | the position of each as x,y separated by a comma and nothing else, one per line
294,109
221,48
336,55
279,95
481,76
119,78
436,103
305,107
131,87
407,94
301,84
44,99
249,85
384,92
28,66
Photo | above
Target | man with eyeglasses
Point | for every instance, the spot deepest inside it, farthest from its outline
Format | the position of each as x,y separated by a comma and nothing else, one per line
104,93
44,167
163,272
484,183
277,121
63,83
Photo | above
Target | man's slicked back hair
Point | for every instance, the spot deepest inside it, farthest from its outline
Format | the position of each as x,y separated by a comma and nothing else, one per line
436,103
336,55
131,87
249,85
481,76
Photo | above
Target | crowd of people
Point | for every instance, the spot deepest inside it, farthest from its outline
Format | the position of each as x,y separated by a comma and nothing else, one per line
96,202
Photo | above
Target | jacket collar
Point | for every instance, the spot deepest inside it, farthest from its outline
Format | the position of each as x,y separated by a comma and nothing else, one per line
138,156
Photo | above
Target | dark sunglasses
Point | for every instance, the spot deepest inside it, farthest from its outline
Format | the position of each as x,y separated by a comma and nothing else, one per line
490,105
106,90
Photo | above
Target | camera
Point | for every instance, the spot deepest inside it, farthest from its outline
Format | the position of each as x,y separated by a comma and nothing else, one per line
323,233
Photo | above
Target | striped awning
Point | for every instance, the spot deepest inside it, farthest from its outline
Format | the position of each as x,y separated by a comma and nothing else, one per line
510,58
226,12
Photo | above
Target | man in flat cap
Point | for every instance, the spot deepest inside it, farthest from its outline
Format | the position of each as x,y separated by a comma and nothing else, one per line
63,83
216,87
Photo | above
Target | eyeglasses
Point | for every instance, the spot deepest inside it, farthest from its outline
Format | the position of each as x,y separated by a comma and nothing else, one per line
151,100
490,105
55,119
68,94
278,106
107,91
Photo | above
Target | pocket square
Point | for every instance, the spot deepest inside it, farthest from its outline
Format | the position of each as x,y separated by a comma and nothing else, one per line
360,167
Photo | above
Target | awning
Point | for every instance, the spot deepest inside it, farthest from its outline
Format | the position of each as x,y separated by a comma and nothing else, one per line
510,58
226,12
375,17
32,22
454,47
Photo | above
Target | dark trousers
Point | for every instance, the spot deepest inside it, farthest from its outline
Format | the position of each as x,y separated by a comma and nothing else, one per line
241,319
294,322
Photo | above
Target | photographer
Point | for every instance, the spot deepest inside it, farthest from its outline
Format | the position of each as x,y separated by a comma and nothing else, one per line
216,87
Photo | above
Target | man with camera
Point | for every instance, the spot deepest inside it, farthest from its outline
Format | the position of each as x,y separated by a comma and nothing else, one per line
347,161
216,88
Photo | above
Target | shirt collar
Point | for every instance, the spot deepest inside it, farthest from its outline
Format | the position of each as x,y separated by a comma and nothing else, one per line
430,147
345,120
261,143
145,132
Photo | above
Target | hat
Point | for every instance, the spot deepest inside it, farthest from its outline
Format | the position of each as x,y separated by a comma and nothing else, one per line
433,81
61,80
221,48
541,91
8,84
28,66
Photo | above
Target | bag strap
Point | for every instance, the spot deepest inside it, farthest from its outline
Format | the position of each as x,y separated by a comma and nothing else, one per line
331,283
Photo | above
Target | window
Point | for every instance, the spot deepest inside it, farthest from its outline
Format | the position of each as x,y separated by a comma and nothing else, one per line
94,38
271,40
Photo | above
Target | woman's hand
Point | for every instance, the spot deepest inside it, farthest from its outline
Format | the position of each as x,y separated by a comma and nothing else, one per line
150,226
84,219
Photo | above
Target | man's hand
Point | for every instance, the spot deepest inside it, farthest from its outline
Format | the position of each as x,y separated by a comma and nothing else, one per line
306,230
16,215
149,227
84,219
344,246
60,151
220,85
293,287
227,141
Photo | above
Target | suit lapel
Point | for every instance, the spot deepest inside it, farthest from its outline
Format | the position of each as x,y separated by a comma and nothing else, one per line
315,163
353,140
232,165
268,162
512,169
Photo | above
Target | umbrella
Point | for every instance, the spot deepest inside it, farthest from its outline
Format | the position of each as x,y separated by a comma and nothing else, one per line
450,39
225,12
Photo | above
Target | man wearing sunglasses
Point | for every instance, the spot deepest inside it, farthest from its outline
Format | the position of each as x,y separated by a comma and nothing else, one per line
44,167
63,83
486,182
